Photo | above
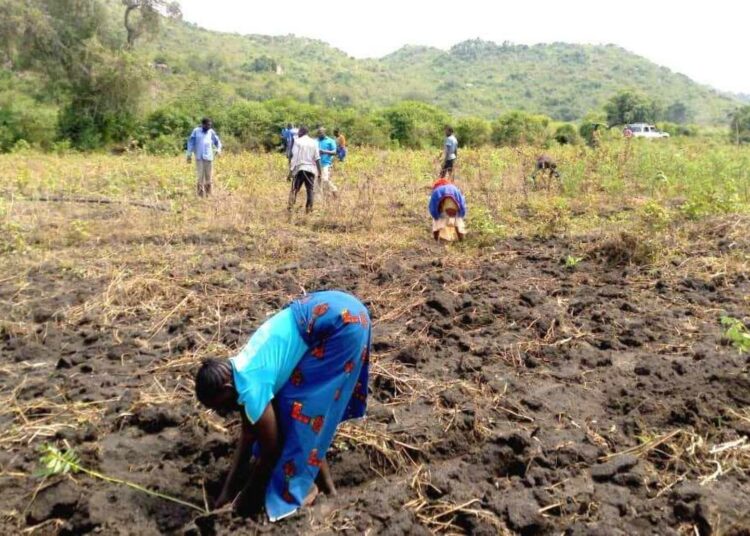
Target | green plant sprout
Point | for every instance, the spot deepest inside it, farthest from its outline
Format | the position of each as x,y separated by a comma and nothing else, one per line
55,461
737,333
571,261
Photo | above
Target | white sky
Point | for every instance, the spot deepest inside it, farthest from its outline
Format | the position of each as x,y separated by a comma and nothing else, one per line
706,40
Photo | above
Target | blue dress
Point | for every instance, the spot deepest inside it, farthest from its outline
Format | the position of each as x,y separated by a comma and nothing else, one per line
327,386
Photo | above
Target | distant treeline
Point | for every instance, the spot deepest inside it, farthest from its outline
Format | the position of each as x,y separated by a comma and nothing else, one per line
248,125
71,78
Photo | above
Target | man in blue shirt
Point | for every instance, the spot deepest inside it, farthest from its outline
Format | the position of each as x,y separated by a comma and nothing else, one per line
202,141
327,146
287,138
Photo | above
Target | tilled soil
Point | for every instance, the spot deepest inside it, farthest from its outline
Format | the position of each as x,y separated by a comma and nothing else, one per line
509,394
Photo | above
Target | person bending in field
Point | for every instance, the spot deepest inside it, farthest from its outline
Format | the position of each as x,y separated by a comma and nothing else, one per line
448,210
546,166
202,142
304,166
327,146
302,373
450,153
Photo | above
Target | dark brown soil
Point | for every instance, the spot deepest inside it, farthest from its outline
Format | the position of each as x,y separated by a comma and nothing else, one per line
503,386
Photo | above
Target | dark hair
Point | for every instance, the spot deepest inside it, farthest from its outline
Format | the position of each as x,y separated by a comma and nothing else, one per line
206,120
301,131
449,129
209,380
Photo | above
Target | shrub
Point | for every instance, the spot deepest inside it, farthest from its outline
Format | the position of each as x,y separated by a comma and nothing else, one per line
567,135
473,131
416,125
521,128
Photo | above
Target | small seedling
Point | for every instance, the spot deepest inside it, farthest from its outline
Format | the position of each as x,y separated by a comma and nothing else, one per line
571,262
55,461
737,333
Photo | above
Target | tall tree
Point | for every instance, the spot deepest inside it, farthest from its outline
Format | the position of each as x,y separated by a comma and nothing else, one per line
72,44
740,125
631,107
677,112
144,16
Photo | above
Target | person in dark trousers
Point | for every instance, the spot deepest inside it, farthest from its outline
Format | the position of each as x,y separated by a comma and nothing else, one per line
304,167
450,153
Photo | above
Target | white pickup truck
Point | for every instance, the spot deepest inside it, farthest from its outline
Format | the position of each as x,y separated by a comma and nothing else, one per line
643,130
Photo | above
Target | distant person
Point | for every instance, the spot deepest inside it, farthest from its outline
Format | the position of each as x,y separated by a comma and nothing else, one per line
450,154
595,138
545,165
304,166
202,142
327,146
302,373
340,144
287,139
448,210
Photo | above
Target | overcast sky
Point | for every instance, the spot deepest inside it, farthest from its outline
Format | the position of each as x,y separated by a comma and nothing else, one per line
706,40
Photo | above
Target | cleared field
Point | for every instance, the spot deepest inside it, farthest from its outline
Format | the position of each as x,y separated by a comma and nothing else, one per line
565,368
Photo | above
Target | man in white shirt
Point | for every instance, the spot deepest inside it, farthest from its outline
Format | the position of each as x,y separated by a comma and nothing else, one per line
304,167
450,153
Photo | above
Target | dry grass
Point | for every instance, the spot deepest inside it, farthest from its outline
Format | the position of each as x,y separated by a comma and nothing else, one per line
139,270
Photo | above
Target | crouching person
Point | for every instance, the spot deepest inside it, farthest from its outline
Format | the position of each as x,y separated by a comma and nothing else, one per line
448,210
302,373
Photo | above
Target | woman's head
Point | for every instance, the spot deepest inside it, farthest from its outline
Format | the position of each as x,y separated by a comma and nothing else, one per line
214,386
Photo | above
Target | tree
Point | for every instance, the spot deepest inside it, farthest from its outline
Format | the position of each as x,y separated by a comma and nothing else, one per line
416,125
71,44
144,16
740,125
631,107
677,112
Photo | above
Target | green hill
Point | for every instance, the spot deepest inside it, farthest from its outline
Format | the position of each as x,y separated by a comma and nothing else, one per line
474,77
68,74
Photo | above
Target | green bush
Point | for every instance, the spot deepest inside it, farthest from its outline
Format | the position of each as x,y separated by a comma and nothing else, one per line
567,134
521,128
21,118
170,121
473,131
674,129
416,125
592,128
250,123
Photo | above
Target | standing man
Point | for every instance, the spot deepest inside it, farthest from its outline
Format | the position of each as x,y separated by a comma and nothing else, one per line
340,144
327,147
287,135
450,153
303,167
202,142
